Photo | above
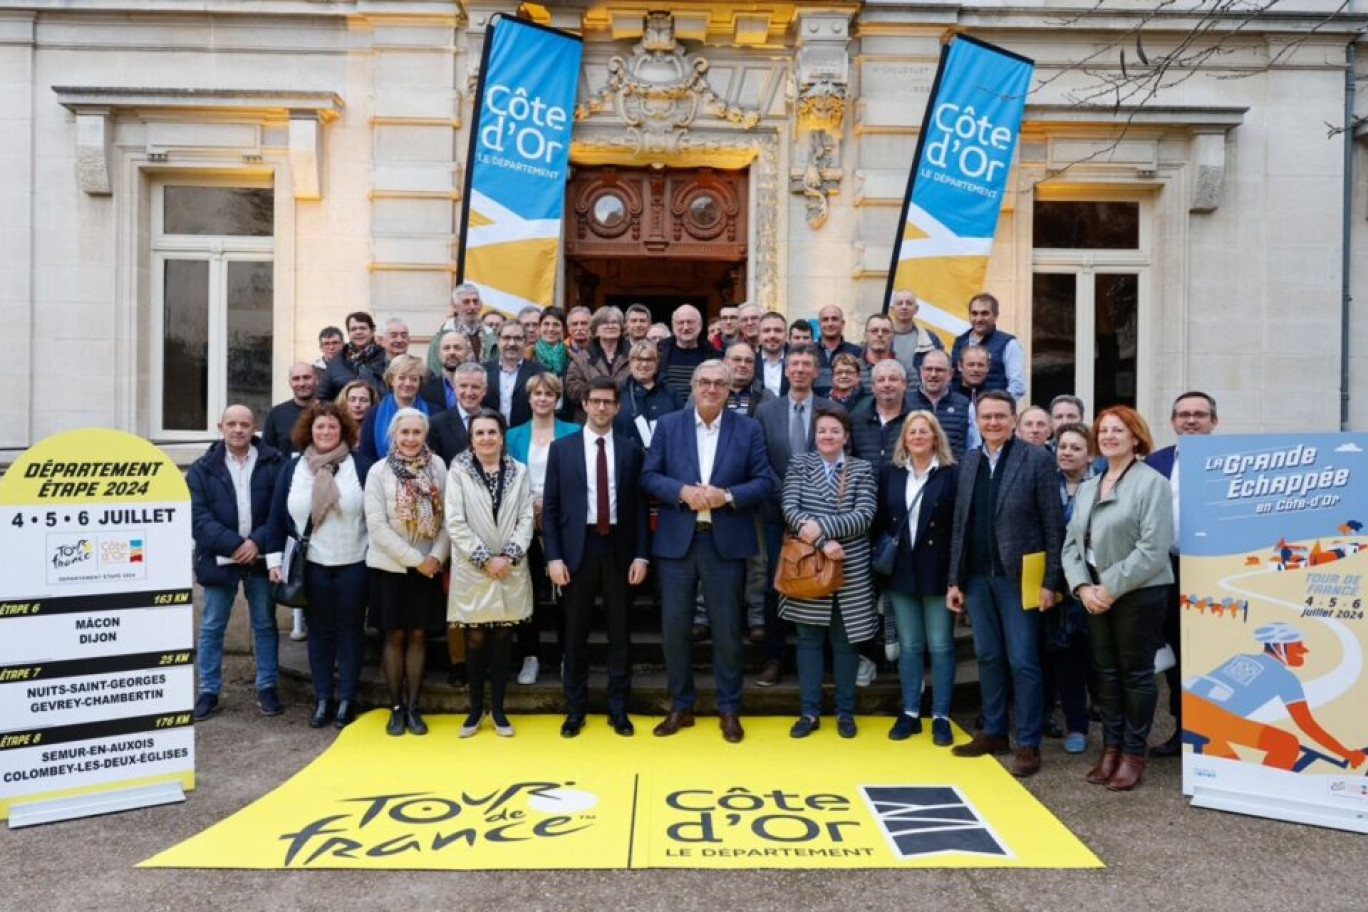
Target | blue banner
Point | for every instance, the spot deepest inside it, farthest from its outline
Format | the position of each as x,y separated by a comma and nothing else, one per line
964,153
518,162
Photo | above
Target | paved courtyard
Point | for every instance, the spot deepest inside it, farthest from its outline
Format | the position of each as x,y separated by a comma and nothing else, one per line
1159,853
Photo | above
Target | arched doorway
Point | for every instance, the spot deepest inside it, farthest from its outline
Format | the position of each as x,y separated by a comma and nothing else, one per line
661,237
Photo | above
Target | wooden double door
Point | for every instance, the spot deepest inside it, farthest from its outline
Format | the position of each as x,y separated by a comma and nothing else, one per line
659,237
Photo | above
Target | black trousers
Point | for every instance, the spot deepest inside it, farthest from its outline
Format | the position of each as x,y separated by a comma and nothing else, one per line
602,572
1124,641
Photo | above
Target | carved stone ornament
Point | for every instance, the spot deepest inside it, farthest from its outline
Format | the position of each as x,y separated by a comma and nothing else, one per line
659,91
821,106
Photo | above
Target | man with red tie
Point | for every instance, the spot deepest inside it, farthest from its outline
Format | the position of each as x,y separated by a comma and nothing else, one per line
594,523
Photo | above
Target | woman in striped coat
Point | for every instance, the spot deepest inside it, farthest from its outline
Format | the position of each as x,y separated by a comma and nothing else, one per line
829,501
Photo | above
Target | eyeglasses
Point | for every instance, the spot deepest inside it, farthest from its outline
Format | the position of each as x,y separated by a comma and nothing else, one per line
710,384
1192,416
647,359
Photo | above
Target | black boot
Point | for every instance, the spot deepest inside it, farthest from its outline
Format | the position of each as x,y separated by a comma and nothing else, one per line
416,725
396,721
320,714
346,714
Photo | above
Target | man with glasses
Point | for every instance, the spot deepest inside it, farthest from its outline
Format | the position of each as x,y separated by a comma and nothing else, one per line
1194,414
1007,508
594,523
508,378
708,468
953,410
748,324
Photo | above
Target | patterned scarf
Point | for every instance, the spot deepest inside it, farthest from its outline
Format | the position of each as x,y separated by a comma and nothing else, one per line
552,357
416,503
359,356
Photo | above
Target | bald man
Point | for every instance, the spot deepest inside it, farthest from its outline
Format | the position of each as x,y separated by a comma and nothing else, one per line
683,351
281,420
832,342
230,502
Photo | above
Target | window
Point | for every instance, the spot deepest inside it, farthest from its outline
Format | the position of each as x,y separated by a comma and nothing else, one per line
1090,274
213,304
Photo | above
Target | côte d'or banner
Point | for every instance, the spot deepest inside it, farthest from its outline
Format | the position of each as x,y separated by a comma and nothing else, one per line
96,638
518,162
959,176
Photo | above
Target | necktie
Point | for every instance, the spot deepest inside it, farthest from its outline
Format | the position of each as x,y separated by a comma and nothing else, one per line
604,524
797,432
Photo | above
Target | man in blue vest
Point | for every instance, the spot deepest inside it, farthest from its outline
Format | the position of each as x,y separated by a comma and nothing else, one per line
1007,360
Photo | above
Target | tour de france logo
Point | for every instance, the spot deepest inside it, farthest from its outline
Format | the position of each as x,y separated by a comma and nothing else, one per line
415,824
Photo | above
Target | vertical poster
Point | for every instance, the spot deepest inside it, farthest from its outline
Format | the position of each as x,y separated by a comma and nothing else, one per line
1274,558
959,175
96,627
517,166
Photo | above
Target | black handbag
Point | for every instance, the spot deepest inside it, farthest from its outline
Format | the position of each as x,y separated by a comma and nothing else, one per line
290,590
885,555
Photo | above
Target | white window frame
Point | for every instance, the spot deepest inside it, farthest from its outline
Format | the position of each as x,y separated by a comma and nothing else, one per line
219,251
1085,265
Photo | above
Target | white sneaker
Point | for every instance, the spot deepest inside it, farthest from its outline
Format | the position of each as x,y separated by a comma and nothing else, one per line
531,668
866,673
301,629
892,650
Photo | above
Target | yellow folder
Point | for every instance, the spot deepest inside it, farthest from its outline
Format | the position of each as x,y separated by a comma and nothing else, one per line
1032,579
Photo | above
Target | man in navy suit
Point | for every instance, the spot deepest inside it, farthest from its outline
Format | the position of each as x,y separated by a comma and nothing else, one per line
507,377
708,468
1194,414
593,519
1007,507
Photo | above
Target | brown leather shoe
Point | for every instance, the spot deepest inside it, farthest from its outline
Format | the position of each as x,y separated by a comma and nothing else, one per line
1025,763
1106,766
771,674
673,722
1127,775
982,745
731,728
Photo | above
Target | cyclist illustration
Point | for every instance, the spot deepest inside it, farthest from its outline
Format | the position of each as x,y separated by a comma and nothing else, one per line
1217,706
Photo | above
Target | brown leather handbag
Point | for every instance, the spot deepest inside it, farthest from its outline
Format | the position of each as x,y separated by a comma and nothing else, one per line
804,571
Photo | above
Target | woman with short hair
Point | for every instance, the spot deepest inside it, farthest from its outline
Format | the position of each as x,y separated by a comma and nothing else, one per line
408,545
551,351
829,502
644,397
490,521
404,375
606,356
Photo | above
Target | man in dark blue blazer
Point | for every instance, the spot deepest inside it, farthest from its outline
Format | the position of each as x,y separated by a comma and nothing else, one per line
708,468
1007,507
594,523
507,377
1194,414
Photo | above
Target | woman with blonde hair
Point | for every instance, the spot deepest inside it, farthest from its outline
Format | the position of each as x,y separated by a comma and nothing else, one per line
916,512
408,545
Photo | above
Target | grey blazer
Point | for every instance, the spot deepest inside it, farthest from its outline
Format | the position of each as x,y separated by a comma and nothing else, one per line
1029,516
773,416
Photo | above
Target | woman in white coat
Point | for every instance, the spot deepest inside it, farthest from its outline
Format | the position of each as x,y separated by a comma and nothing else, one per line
408,545
489,519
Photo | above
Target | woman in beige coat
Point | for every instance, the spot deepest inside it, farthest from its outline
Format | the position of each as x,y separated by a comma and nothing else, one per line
489,519
408,545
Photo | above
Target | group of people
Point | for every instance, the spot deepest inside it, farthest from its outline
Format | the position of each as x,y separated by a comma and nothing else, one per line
560,458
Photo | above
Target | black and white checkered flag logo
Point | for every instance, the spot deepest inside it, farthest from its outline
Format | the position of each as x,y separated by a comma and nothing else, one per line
922,820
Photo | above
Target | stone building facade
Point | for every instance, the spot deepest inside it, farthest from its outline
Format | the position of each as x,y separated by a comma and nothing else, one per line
191,189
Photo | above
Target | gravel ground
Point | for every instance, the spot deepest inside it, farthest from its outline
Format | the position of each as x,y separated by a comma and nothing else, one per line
1160,854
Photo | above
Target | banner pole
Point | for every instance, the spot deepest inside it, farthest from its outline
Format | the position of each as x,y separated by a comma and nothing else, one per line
470,148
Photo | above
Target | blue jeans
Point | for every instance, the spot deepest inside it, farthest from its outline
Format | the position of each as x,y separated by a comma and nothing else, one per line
1007,643
337,602
845,661
722,579
218,607
924,623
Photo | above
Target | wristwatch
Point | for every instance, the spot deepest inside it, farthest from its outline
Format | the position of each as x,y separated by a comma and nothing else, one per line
727,496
